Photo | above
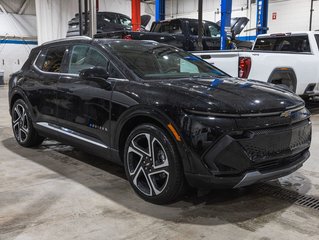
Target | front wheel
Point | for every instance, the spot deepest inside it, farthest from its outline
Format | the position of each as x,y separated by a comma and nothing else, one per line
152,165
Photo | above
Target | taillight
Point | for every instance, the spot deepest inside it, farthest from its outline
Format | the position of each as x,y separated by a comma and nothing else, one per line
127,37
244,67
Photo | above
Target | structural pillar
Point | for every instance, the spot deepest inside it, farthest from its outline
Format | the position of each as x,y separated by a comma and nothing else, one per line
262,17
226,8
159,10
136,15
93,25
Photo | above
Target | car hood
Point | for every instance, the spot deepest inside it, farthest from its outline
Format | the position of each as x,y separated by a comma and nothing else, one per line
237,24
231,96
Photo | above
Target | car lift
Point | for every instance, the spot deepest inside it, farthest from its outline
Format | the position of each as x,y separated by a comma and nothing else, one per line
226,8
159,10
136,15
262,17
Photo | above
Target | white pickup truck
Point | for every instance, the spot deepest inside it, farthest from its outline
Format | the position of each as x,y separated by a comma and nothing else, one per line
290,59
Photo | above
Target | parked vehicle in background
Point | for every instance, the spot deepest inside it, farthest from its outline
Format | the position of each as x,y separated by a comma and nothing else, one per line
289,59
183,33
106,22
169,117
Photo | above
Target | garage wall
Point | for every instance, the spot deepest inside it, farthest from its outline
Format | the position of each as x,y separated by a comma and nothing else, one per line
17,38
292,15
53,15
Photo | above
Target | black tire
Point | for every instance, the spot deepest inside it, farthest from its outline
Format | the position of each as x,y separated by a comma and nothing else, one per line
158,179
22,126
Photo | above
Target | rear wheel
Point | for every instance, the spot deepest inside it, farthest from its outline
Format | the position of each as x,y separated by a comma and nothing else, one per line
152,165
22,127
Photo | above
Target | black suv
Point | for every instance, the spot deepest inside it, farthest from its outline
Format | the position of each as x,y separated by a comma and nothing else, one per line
169,117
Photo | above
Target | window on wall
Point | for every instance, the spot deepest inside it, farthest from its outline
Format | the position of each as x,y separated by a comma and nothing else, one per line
52,60
85,57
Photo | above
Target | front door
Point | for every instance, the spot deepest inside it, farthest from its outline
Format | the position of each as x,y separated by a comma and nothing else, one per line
84,105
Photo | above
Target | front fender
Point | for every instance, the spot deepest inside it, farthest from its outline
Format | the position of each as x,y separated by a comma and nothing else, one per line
161,118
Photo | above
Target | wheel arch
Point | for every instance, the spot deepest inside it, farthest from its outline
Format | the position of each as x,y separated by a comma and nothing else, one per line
18,94
151,116
281,71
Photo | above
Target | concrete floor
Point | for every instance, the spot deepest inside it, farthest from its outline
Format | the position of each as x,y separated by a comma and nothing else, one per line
57,192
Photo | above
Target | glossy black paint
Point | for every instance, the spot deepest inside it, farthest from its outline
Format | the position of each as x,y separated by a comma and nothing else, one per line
217,119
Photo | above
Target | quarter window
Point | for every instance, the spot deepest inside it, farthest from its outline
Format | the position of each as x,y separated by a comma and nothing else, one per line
52,60
85,57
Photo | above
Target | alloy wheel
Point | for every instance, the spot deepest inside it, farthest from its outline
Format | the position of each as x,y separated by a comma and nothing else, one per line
148,164
20,123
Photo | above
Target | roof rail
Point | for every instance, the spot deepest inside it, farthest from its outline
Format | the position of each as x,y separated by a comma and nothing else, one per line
68,38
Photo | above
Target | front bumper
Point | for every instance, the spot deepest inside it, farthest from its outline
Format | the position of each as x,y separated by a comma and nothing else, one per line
254,156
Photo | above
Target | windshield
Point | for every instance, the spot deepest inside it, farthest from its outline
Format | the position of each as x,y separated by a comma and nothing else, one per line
125,21
153,61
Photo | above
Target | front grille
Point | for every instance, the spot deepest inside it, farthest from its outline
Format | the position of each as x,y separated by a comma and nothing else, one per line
276,163
266,144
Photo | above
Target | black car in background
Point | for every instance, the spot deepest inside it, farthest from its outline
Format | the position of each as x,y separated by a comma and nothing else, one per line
183,33
106,22
169,117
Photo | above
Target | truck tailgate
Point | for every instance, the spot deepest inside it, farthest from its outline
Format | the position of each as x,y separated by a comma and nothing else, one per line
227,61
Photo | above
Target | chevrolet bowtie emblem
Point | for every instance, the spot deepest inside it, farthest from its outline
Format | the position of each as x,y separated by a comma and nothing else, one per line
285,114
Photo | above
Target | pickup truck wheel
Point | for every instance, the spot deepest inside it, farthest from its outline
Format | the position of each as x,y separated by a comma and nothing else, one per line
152,165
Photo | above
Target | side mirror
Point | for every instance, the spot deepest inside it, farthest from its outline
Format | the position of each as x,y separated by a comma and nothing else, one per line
95,72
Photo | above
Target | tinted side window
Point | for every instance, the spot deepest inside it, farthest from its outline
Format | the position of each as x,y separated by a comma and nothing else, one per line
53,59
84,57
175,27
164,27
283,44
317,39
212,31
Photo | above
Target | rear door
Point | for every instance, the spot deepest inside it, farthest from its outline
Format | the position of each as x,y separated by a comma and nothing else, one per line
42,81
84,105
